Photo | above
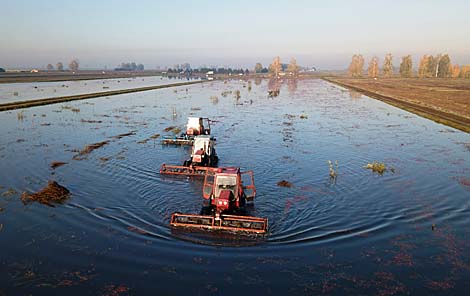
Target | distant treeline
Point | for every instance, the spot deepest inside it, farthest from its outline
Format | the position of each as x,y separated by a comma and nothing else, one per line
430,66
204,70
131,66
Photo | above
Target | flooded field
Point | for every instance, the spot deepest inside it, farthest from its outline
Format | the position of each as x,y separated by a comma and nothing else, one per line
404,230
13,92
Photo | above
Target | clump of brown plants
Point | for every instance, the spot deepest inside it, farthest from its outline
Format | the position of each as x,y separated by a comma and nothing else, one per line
284,183
52,193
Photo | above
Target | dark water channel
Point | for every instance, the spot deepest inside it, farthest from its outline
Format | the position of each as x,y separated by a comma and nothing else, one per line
404,232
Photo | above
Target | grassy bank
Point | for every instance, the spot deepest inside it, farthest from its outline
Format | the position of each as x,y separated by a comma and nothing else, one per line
445,101
40,102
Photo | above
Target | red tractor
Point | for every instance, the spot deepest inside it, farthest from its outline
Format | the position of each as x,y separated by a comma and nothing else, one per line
227,196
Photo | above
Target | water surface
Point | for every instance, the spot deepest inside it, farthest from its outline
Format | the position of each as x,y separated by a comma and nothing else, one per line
403,232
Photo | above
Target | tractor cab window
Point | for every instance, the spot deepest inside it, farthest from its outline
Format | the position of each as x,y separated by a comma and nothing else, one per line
226,183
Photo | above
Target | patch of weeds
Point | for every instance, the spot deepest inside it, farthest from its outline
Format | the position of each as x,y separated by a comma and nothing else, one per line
284,183
52,193
378,167
333,169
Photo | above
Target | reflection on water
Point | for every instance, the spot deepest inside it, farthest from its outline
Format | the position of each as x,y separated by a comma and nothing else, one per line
403,232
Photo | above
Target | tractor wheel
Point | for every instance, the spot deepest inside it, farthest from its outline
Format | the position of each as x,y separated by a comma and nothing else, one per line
187,163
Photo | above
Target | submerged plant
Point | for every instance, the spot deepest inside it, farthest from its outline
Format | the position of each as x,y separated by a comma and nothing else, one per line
333,169
214,99
237,95
20,115
377,167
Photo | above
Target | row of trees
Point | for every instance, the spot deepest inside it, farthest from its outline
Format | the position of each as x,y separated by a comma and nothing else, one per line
73,66
204,70
131,66
277,67
429,66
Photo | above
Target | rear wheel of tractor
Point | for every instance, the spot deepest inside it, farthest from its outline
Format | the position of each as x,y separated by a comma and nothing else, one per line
187,163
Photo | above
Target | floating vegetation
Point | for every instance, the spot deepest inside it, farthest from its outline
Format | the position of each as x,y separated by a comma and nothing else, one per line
52,193
136,230
169,128
249,85
56,164
120,136
226,93
273,93
89,148
174,129
377,167
76,110
214,99
284,183
9,192
303,116
91,121
333,169
195,108
155,136
15,93
237,95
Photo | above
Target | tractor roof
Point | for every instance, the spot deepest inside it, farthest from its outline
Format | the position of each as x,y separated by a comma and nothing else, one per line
227,170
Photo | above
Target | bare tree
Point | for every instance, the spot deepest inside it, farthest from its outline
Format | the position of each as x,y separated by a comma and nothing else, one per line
258,68
60,66
373,70
73,65
50,67
293,67
387,68
276,67
356,67
406,67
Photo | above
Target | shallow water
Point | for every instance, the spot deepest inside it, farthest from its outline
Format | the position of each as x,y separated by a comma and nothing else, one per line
361,233
12,92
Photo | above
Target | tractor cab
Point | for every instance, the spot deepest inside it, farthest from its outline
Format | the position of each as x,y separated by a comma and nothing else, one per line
225,189
198,126
203,152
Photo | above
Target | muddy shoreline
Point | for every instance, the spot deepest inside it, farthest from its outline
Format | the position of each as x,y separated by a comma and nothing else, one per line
446,118
48,101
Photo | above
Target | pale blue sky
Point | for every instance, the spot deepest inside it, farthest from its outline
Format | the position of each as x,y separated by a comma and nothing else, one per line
228,33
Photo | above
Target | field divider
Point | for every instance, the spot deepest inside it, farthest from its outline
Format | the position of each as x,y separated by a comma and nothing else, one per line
48,101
